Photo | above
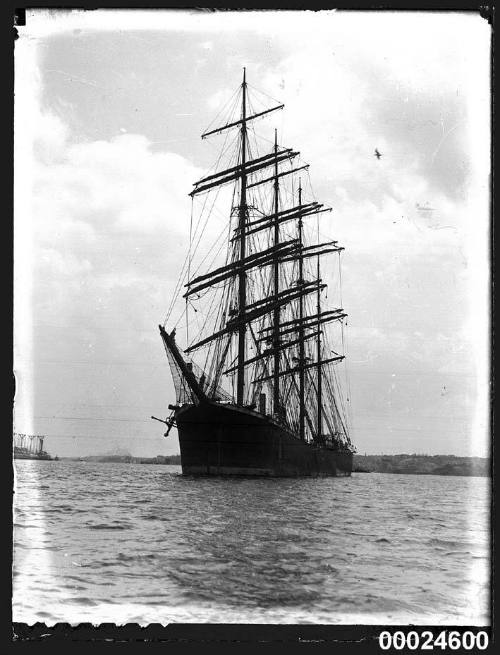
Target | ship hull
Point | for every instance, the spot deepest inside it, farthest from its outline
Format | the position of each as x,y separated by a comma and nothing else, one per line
226,440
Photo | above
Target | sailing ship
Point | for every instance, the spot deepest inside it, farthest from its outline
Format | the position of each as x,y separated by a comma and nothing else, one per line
266,398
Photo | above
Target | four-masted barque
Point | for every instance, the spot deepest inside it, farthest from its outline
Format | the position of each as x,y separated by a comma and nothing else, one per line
265,398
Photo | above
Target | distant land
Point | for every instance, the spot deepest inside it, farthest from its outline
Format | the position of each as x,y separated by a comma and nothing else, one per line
125,459
408,464
423,464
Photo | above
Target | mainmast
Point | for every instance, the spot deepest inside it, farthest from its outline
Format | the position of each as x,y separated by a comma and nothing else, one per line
240,380
276,313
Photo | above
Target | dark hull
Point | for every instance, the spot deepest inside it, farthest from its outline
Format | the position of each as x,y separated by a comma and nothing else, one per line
218,439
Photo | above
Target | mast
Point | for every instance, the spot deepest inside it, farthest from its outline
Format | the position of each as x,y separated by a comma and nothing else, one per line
240,381
276,313
301,331
281,332
318,359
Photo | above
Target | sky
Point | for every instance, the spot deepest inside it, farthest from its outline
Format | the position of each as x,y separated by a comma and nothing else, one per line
109,109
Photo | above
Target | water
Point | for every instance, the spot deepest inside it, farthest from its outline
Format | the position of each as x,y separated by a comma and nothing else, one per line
141,543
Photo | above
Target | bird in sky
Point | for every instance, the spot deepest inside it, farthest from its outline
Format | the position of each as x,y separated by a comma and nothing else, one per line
377,154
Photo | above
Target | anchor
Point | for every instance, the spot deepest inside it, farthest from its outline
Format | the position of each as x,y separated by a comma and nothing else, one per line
170,421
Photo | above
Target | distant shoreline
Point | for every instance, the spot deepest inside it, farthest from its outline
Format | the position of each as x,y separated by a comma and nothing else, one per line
423,465
403,464
125,459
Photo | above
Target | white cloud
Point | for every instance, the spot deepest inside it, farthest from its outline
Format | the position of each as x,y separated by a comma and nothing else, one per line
107,221
97,225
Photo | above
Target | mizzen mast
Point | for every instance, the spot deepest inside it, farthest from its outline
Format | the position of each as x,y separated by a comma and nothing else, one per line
319,389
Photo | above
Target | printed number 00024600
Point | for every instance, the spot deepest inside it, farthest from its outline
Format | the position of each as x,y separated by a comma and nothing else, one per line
452,639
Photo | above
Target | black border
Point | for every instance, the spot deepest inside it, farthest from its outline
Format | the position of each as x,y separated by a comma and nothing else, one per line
178,637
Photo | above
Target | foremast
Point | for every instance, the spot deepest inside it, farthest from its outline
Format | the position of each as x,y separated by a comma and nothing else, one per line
301,359
242,292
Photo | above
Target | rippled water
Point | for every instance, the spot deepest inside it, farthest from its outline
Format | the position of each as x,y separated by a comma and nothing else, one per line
141,543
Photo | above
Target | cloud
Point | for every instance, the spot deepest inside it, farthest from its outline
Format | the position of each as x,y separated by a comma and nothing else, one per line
101,236
108,216
102,224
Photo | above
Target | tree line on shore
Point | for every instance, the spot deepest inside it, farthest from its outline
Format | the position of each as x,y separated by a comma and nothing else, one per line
423,464
404,463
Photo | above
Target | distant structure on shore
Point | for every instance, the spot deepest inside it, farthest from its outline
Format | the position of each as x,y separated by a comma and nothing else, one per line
29,446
